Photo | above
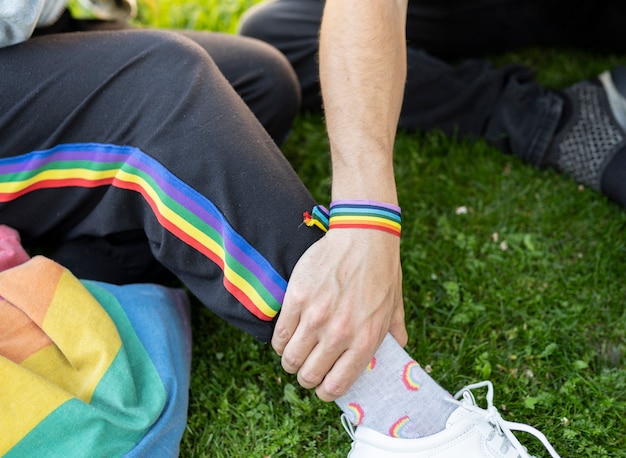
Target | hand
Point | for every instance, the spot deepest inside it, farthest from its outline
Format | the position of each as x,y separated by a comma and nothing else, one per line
344,295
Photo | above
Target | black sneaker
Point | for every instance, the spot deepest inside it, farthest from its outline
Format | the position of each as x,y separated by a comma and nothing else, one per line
591,145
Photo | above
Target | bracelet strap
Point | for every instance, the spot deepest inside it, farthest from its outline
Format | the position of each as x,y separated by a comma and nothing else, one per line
361,214
318,217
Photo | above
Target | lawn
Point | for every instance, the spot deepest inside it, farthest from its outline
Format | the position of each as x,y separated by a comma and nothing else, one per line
511,274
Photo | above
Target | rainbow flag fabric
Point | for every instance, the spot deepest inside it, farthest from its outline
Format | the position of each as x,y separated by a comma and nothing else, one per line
89,368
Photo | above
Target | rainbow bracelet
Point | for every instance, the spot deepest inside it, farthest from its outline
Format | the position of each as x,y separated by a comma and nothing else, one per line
350,214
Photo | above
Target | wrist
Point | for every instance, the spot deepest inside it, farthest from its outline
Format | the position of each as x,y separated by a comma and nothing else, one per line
356,214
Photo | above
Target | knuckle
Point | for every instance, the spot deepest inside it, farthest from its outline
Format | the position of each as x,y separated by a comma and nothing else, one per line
281,334
332,390
365,345
309,379
290,363
297,295
340,335
315,323
279,340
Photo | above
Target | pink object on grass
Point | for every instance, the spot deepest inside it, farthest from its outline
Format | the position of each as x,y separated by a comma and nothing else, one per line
11,251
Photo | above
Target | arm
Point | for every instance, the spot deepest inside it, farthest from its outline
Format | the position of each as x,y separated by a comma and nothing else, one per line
362,72
345,293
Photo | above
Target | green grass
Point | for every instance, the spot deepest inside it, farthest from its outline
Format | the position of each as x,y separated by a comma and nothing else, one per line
214,15
526,288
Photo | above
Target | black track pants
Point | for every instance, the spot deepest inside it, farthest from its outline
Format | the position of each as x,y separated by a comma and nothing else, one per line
136,138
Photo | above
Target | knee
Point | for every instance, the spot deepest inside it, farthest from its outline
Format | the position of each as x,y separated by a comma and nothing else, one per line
276,78
259,22
170,55
177,68
172,64
281,94
171,69
273,90
286,24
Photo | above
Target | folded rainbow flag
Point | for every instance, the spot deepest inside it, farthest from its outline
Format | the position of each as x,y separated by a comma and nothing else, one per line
88,368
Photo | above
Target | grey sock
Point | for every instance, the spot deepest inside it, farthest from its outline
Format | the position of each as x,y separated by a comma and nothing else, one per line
396,397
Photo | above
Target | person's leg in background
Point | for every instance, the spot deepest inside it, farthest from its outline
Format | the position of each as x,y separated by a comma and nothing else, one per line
506,106
141,146
477,28
580,131
292,26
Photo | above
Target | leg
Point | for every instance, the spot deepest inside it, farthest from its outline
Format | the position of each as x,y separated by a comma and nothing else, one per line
472,98
475,28
261,76
446,30
225,217
505,106
292,26
172,152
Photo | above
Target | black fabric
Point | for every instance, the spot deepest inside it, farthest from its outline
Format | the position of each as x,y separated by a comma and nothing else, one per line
259,74
471,98
457,29
119,258
159,92
614,178
292,26
618,75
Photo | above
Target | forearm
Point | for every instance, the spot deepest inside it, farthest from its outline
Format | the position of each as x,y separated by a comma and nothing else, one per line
362,72
333,319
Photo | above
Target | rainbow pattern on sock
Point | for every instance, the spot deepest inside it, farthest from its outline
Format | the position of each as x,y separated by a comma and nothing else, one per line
372,364
409,376
356,412
397,428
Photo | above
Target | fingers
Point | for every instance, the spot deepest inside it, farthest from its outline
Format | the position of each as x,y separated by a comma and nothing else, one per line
326,333
298,350
345,371
333,387
293,339
317,365
327,354
286,324
313,352
307,351
299,294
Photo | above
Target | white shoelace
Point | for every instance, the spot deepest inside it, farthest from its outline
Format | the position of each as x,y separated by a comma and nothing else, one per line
348,426
502,426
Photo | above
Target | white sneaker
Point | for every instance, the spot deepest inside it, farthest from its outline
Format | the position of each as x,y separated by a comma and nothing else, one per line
471,432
